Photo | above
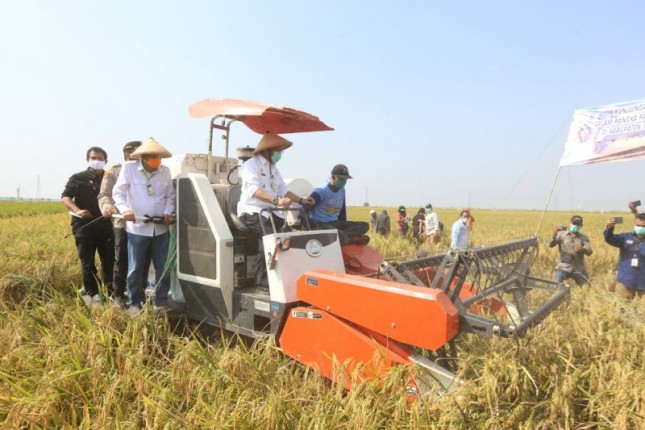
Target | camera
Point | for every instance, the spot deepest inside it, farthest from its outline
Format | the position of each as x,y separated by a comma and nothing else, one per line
618,220
635,203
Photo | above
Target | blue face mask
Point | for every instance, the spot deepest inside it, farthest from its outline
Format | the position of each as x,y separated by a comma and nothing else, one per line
574,228
340,183
639,230
275,157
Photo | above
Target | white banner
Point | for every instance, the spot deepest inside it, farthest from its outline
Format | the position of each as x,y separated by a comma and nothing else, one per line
606,133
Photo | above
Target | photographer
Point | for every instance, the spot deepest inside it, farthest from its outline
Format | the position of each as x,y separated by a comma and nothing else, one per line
573,247
631,260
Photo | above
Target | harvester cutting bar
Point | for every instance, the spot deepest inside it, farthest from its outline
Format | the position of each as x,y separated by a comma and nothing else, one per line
490,286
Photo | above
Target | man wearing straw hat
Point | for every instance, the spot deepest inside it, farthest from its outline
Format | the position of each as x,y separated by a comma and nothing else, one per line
145,189
106,204
263,187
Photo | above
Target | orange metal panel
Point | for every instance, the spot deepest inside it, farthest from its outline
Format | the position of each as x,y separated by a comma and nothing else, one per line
260,117
337,348
418,316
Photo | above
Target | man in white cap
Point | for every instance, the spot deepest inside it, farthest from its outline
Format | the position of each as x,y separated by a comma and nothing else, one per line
329,210
145,189
263,187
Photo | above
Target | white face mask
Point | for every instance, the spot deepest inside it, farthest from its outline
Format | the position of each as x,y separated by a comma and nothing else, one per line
96,164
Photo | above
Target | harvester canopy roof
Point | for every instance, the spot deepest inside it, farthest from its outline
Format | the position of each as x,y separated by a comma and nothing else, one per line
259,117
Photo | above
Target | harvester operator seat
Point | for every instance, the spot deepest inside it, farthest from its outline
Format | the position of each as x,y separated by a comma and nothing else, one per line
233,198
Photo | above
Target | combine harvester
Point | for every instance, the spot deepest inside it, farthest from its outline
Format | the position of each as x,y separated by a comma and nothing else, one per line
329,305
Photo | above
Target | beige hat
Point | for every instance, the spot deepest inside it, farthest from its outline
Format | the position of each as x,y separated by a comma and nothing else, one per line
151,147
270,140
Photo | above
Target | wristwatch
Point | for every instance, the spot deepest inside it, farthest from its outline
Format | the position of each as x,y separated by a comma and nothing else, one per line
274,201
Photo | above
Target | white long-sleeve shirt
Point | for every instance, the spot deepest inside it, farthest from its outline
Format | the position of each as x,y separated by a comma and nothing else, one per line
255,174
131,193
459,235
432,223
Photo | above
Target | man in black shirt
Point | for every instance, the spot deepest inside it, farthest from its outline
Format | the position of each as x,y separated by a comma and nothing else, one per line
383,223
91,233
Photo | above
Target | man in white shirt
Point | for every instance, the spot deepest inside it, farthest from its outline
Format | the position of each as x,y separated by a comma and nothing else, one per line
460,231
144,188
431,226
263,187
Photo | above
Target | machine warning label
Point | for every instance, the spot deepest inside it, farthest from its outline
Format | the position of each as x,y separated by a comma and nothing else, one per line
306,314
312,281
261,306
275,307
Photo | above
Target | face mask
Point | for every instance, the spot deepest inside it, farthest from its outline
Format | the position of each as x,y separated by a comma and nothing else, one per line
574,228
154,163
429,211
340,183
275,157
639,230
464,220
96,164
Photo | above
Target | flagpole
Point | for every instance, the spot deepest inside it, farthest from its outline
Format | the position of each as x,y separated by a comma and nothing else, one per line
548,200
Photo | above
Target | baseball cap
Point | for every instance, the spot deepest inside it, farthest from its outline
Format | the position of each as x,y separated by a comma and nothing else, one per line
341,171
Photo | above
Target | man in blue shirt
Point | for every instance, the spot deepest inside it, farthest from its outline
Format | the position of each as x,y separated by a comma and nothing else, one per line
329,211
460,237
631,260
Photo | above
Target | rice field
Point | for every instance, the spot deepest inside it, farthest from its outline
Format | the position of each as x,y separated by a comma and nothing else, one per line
63,365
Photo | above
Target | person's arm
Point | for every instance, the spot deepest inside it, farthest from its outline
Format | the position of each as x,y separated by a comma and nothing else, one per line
302,200
586,245
169,203
611,238
120,192
633,209
106,203
555,239
342,215
454,237
71,206
69,193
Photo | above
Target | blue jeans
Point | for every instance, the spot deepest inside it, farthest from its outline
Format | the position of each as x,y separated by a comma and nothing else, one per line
141,248
579,277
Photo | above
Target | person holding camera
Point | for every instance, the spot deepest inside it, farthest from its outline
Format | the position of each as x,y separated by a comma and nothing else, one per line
573,247
631,260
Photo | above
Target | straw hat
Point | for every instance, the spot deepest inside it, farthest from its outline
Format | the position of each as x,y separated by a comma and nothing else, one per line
270,140
151,147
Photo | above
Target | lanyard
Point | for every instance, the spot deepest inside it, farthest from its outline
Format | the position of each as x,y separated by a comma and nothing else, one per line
148,177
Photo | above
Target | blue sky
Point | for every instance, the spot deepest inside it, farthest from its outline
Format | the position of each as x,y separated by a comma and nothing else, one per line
454,103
